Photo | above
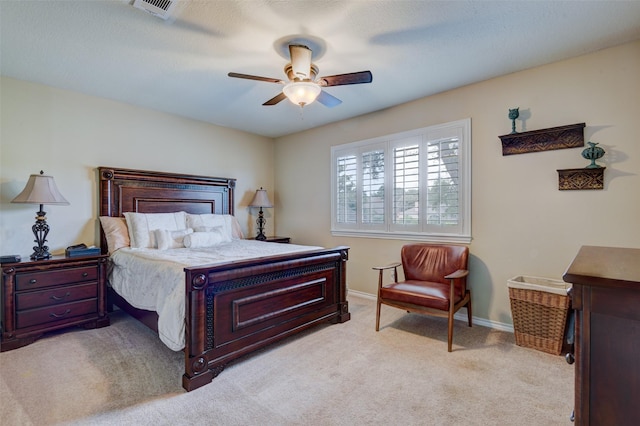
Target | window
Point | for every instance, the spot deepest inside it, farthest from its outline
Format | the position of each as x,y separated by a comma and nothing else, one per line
410,185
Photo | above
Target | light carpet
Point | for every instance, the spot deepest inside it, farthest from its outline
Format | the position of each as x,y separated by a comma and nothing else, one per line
342,374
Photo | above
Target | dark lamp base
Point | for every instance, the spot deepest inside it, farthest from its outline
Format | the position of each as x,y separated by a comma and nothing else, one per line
261,222
40,230
40,256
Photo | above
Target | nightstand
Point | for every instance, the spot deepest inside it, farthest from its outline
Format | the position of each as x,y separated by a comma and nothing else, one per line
45,295
274,239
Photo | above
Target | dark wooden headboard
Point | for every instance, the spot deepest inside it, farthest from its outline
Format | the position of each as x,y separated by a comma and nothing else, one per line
127,190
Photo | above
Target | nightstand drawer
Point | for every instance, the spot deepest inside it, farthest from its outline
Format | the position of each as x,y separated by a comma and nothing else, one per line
56,296
55,313
33,280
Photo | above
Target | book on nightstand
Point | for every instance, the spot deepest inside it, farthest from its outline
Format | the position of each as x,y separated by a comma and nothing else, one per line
81,250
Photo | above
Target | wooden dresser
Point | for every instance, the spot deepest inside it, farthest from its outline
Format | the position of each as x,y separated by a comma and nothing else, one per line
45,295
606,299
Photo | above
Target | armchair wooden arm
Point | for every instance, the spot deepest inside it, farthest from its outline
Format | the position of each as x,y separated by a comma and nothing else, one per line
394,265
460,273
389,266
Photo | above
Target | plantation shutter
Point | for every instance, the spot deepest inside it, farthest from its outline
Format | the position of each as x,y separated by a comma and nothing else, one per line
346,207
443,207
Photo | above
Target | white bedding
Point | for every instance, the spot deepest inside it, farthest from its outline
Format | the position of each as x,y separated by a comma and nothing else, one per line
153,279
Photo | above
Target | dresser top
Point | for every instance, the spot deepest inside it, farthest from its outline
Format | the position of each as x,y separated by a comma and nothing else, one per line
605,266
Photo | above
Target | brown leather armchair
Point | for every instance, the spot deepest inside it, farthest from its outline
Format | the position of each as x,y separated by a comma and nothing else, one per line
435,282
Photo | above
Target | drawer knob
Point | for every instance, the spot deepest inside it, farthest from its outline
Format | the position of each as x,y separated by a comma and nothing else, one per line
33,281
85,274
54,297
65,313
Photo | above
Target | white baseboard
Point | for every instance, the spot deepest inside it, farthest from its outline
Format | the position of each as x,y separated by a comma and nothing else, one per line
483,322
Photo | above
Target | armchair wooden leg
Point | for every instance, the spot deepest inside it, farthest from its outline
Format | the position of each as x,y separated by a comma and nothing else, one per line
450,336
469,315
378,315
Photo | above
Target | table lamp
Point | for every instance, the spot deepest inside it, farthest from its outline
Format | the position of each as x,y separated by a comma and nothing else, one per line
261,200
40,189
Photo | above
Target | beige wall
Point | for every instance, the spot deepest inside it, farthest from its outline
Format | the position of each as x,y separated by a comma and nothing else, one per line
68,135
522,224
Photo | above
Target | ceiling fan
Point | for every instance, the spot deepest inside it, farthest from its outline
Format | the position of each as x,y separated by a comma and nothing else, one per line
303,85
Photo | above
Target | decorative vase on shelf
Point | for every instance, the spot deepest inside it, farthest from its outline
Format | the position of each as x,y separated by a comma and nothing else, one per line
513,114
593,153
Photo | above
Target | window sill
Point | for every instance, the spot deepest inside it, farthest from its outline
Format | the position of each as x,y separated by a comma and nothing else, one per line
460,239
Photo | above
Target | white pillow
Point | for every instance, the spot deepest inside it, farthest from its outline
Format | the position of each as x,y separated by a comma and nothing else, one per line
171,239
228,223
237,231
115,230
218,229
206,239
142,225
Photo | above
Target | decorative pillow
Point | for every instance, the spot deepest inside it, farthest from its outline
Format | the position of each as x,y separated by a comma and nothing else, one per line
236,230
206,239
228,223
219,229
142,225
171,239
115,229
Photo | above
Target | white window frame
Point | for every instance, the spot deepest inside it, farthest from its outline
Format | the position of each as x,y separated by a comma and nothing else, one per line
461,233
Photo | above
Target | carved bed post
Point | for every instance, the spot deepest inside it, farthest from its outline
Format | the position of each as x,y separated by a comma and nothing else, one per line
231,184
196,368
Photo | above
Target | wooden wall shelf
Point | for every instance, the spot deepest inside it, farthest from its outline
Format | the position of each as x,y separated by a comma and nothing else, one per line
581,178
571,136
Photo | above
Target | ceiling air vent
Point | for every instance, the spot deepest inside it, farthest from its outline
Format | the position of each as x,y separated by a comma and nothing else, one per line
160,8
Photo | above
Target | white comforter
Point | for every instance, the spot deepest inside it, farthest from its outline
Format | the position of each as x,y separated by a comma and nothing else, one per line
153,279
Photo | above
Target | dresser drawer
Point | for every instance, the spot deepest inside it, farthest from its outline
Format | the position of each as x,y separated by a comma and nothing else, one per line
55,313
56,296
33,280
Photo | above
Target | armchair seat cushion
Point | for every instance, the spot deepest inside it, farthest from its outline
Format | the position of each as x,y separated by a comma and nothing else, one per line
422,293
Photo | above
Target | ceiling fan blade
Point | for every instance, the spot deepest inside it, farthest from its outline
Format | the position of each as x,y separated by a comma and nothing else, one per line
300,60
276,99
344,79
255,77
328,100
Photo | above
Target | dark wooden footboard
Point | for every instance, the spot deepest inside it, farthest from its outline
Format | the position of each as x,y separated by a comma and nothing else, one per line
234,309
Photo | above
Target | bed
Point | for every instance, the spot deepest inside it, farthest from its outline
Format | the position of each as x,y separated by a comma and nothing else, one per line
231,308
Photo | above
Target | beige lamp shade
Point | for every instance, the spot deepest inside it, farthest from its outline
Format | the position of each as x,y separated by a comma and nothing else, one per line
40,189
261,199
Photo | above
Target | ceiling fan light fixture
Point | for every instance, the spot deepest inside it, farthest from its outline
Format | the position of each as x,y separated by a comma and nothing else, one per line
301,92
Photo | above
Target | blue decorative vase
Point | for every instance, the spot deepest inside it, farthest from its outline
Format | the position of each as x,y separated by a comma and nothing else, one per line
593,153
513,114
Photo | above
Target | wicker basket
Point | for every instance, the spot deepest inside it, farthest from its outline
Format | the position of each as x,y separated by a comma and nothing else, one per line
539,307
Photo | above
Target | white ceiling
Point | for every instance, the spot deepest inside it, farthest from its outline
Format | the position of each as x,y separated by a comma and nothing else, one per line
413,48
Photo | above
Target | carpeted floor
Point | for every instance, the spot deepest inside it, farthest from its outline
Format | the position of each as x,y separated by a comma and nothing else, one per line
343,374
